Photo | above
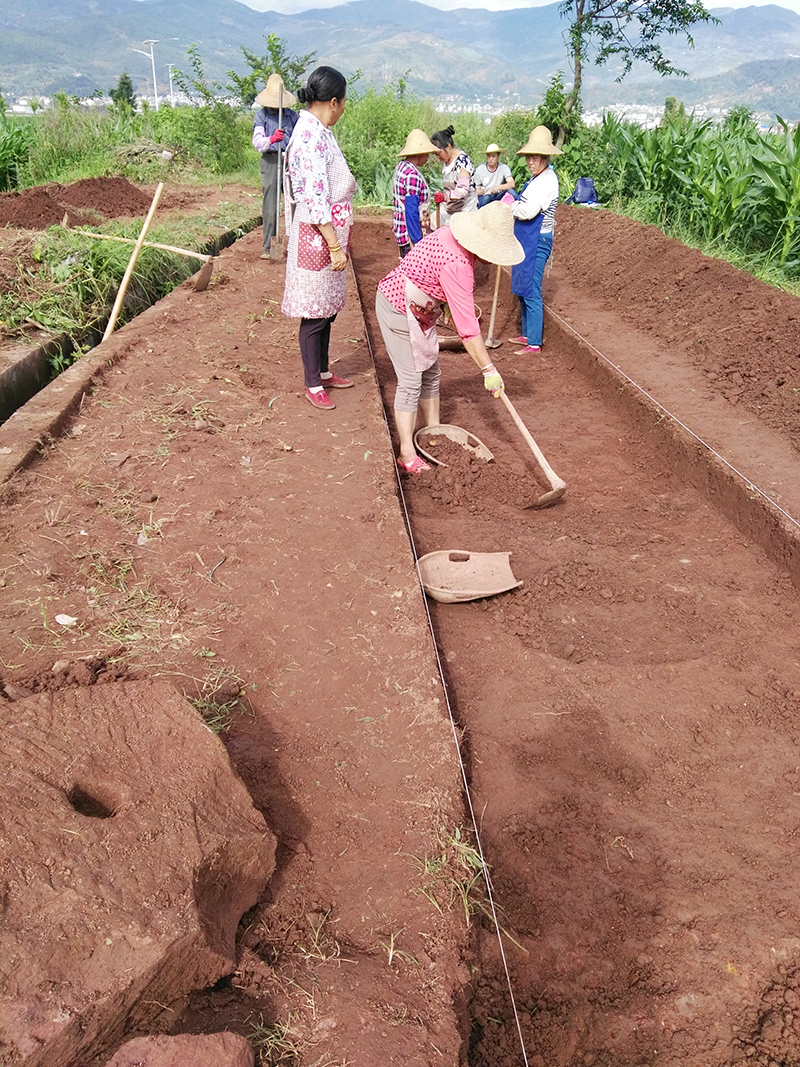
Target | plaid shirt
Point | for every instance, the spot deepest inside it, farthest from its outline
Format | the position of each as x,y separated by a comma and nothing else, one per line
407,181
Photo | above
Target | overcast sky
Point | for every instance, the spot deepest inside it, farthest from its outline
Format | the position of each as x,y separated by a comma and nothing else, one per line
290,7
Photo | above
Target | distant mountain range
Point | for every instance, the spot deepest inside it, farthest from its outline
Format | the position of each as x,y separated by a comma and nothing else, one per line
494,57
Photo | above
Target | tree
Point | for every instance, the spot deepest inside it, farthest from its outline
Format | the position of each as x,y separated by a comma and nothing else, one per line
631,30
276,60
123,96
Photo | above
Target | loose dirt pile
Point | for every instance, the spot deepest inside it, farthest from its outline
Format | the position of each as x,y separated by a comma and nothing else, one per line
83,201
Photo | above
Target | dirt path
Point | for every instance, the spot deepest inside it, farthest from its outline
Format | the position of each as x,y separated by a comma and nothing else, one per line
629,715
203,523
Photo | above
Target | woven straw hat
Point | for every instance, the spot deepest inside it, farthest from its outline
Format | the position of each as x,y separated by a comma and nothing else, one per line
493,148
540,143
270,95
417,144
489,233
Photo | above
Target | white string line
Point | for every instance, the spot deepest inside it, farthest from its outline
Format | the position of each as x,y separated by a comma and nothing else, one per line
453,725
748,484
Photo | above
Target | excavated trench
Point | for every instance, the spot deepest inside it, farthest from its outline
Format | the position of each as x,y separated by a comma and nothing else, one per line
631,712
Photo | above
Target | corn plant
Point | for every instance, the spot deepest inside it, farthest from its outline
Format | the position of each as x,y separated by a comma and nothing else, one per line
777,168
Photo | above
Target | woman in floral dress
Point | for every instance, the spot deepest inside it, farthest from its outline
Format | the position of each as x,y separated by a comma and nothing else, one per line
318,189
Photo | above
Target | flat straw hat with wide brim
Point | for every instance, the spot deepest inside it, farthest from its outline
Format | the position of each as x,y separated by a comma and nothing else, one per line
270,95
493,148
489,233
540,143
417,144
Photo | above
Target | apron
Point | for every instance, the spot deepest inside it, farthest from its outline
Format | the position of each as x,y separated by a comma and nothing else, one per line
527,233
422,311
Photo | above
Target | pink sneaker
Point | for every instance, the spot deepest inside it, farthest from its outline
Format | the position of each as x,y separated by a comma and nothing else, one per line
528,350
320,399
518,340
335,382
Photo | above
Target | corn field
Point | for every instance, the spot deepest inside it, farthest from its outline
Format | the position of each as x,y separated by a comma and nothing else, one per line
732,186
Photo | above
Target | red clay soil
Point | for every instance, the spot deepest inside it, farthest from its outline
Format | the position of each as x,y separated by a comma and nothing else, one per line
629,715
631,712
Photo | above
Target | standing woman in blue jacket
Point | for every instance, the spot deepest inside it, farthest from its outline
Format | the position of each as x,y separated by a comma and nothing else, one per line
268,137
534,215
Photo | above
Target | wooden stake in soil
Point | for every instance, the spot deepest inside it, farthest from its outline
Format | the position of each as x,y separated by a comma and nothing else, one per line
132,263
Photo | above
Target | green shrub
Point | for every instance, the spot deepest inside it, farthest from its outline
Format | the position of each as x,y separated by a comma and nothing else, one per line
15,144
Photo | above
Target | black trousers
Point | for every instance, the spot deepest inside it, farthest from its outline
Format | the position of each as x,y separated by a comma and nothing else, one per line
315,338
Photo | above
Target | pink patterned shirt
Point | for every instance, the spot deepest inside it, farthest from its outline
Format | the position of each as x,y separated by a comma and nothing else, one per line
313,149
442,269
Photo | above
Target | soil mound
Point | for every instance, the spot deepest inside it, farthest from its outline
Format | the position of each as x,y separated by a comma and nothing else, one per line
127,862
83,201
35,209
112,197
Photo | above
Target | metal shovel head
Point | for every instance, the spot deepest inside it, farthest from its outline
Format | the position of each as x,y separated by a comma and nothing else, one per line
277,250
203,276
547,499
461,437
452,576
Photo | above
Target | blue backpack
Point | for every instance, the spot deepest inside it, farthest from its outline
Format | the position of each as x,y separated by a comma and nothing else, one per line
584,192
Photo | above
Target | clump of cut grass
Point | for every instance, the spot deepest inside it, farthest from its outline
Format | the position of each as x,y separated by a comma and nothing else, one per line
221,696
276,1044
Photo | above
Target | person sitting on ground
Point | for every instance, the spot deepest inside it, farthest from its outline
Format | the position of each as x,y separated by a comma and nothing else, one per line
439,269
268,136
492,178
457,176
410,194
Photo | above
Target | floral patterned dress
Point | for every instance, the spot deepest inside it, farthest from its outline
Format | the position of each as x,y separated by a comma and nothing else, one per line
318,188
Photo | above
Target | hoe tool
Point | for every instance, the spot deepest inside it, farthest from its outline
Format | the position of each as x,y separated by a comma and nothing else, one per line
557,486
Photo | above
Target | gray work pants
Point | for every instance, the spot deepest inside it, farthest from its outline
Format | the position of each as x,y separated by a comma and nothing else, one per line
269,187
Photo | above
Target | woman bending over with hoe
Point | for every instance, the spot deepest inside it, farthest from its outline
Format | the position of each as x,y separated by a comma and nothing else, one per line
440,269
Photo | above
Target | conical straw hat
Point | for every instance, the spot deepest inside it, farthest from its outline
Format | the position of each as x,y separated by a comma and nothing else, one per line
489,233
270,95
540,143
417,144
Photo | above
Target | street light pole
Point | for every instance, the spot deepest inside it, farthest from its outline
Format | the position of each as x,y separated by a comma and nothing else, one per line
171,90
153,64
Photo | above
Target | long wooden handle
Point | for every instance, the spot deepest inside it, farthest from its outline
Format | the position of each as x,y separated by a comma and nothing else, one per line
112,321
145,244
279,182
438,223
552,477
494,303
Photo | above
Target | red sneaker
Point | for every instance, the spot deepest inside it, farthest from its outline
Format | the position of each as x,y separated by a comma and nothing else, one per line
518,340
528,350
335,382
320,399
